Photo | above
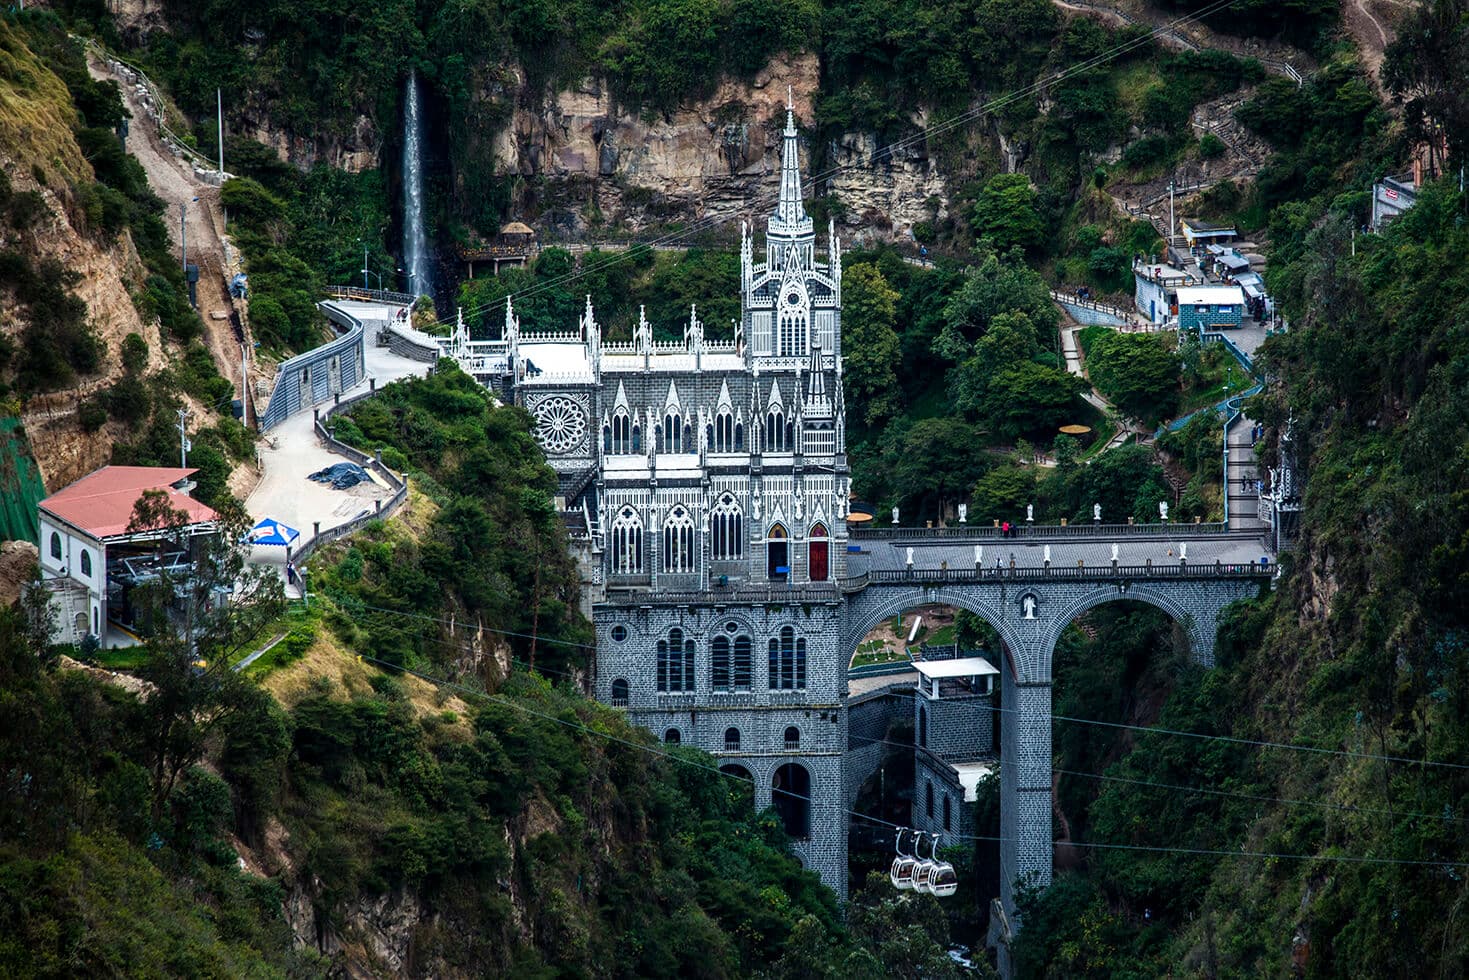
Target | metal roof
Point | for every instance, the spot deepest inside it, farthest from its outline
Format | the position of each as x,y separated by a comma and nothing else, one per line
1210,295
101,503
965,667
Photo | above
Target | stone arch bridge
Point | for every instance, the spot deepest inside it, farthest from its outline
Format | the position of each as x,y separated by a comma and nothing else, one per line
1029,587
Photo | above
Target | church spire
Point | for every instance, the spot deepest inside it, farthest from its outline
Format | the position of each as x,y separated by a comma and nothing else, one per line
791,212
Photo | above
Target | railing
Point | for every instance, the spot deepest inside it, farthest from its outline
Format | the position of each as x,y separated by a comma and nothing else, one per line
175,142
795,595
1089,304
278,408
382,509
362,295
974,532
945,576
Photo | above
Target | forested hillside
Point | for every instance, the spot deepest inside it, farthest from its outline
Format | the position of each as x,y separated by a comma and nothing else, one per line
412,781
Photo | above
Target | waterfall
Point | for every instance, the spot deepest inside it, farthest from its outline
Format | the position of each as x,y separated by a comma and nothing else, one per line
415,244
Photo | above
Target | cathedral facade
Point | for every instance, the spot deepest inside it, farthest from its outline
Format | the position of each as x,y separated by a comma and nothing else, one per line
712,480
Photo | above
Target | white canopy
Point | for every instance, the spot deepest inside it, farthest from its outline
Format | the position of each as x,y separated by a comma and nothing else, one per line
1210,296
967,667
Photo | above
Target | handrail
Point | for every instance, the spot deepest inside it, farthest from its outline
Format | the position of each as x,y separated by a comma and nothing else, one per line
165,132
1119,532
274,415
370,295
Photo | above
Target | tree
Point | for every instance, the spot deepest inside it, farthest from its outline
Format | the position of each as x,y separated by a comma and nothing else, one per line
1029,398
995,285
192,637
1009,340
934,463
1138,372
1425,68
1007,213
869,344
1001,494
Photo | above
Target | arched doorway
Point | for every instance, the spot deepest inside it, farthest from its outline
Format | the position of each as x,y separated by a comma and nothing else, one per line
736,770
791,797
777,554
818,552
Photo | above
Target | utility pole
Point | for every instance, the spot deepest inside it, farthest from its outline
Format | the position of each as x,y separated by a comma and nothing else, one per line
183,437
219,106
364,265
244,389
183,237
1171,224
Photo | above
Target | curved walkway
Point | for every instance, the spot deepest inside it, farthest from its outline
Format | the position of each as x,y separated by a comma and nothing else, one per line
291,451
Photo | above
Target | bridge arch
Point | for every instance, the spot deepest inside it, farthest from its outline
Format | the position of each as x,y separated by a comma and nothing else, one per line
1200,634
876,604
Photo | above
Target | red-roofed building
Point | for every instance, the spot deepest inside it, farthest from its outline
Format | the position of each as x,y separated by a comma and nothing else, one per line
91,555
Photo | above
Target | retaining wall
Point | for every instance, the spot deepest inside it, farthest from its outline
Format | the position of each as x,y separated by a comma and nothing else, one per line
321,373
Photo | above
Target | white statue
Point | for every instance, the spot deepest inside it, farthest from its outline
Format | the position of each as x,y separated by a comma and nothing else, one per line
963,513
895,515
1183,551
755,503
910,557
1029,605
1097,513
978,555
800,504
1163,510
1030,512
1048,554
1114,552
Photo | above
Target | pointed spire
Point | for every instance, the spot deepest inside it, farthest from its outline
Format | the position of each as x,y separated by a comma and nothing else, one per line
790,212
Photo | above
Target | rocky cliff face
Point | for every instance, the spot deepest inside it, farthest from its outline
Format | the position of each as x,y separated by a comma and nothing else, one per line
108,272
713,159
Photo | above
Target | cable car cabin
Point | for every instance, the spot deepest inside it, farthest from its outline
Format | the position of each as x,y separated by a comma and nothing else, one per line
901,873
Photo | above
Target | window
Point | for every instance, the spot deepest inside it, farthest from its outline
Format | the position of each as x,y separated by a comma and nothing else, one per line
731,740
787,661
928,799
946,813
86,562
675,663
607,438
637,438
730,665
723,440
775,431
619,693
791,797
678,541
673,737
742,669
818,551
620,435
627,543
672,433
922,727
619,633
55,546
727,529
777,554
793,738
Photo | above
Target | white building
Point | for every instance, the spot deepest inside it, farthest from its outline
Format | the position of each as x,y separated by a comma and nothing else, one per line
92,556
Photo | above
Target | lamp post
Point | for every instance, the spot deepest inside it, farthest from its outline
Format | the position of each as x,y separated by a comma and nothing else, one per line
364,264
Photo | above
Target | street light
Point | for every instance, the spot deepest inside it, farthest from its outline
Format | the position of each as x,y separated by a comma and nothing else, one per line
366,272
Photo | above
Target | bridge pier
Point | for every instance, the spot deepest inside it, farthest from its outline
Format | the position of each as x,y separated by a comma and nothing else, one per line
1025,783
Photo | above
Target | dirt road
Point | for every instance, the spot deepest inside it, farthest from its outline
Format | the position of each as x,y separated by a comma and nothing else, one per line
173,180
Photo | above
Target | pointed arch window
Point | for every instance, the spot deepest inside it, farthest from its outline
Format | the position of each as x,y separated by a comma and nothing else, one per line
675,663
678,541
627,542
727,529
818,554
775,431
723,439
607,438
787,661
777,554
672,432
621,435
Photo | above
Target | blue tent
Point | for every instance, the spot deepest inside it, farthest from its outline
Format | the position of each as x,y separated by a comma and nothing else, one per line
273,532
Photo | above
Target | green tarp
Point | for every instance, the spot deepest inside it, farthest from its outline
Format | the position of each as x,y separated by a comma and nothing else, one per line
20,485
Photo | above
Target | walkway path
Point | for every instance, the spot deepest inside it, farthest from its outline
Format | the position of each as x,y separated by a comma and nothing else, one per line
174,180
291,451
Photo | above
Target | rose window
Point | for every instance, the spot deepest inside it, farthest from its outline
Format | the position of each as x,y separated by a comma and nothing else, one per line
560,424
